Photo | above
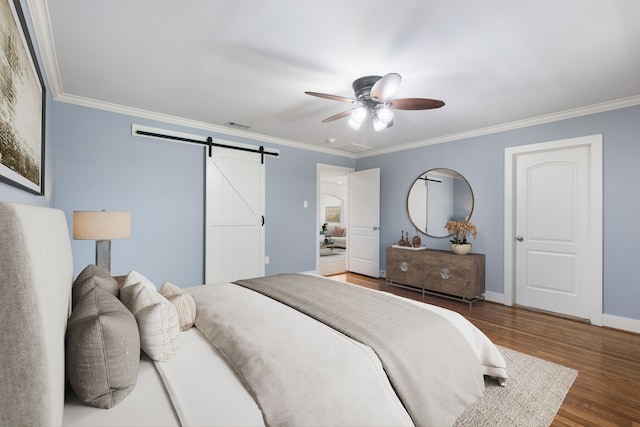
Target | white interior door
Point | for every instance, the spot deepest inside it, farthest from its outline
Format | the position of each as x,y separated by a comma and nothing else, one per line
364,222
235,188
552,230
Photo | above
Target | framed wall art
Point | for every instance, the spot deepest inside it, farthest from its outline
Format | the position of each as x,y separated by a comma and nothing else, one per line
332,213
22,103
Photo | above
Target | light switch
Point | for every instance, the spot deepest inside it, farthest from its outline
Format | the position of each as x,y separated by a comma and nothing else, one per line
306,204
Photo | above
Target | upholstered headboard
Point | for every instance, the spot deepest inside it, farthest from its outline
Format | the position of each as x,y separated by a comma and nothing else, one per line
36,274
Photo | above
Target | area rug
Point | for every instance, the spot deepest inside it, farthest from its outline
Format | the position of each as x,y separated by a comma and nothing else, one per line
533,394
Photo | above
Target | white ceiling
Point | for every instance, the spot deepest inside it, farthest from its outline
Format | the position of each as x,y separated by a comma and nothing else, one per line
497,63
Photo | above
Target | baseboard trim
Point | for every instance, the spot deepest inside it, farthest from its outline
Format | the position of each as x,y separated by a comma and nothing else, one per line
494,297
608,320
623,323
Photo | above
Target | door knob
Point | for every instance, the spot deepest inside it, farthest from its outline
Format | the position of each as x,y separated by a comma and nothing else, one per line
519,238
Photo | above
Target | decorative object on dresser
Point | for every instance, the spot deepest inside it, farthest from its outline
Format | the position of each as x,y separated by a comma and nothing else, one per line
437,272
416,242
402,241
460,230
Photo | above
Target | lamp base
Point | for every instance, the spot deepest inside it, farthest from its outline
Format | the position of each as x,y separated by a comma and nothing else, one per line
103,255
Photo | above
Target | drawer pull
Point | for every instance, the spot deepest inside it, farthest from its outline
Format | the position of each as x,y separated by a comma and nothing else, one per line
404,266
444,273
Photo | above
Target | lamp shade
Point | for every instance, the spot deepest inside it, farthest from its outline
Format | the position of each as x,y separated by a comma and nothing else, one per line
101,225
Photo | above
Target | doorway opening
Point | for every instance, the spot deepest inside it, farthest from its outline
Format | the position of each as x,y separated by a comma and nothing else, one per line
332,219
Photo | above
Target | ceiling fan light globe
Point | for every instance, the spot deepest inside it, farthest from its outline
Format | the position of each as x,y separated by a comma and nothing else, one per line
359,114
378,125
385,115
354,124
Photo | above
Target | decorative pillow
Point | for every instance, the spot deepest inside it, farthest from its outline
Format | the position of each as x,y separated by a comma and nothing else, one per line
184,303
102,349
134,277
339,232
89,278
157,320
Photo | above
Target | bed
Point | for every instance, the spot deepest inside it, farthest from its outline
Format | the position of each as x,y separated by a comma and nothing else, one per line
290,349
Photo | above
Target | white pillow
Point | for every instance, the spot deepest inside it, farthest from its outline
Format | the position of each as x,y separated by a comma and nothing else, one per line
184,303
157,320
134,277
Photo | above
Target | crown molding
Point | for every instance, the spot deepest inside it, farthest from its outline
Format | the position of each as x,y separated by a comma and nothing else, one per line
39,12
166,118
631,101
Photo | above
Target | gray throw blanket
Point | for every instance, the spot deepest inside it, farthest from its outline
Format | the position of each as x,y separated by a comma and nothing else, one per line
300,372
432,368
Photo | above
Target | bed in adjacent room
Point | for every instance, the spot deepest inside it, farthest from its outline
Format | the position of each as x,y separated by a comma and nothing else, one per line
288,349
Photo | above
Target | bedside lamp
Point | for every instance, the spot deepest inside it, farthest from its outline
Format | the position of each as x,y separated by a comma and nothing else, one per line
101,226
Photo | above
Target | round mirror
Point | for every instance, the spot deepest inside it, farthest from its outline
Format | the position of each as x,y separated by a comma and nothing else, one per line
436,197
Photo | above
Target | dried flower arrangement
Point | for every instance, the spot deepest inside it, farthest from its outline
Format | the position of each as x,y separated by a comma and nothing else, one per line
460,230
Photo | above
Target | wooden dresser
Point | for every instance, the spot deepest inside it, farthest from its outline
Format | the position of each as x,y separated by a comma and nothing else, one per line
459,277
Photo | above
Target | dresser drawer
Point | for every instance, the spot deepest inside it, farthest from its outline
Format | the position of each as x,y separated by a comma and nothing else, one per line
459,275
448,281
405,266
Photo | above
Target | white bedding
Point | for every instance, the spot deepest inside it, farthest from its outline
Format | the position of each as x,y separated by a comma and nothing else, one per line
199,388
148,404
195,388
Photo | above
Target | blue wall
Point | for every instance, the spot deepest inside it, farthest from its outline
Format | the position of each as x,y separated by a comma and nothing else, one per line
481,161
100,165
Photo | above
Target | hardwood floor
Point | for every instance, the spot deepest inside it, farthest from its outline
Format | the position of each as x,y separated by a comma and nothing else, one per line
607,389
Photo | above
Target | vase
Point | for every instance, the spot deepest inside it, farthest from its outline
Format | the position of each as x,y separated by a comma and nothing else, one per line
460,249
416,241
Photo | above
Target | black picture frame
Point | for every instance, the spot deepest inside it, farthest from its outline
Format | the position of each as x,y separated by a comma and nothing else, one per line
22,104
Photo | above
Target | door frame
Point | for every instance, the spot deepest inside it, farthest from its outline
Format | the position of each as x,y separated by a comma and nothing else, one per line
320,168
594,142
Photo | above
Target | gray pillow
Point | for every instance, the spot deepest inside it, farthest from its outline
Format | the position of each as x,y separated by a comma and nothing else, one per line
102,349
89,278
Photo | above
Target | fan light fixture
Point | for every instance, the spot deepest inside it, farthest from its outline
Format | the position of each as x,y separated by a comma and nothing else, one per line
357,117
382,117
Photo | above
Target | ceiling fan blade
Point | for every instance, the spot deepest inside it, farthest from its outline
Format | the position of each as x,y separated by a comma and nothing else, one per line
332,97
338,116
385,87
415,104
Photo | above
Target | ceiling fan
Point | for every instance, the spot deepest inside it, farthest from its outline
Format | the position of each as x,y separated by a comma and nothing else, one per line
372,93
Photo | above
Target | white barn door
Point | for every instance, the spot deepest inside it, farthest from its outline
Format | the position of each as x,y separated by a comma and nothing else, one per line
234,222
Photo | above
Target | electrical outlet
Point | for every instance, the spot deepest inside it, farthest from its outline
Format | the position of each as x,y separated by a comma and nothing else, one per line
266,260
383,274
